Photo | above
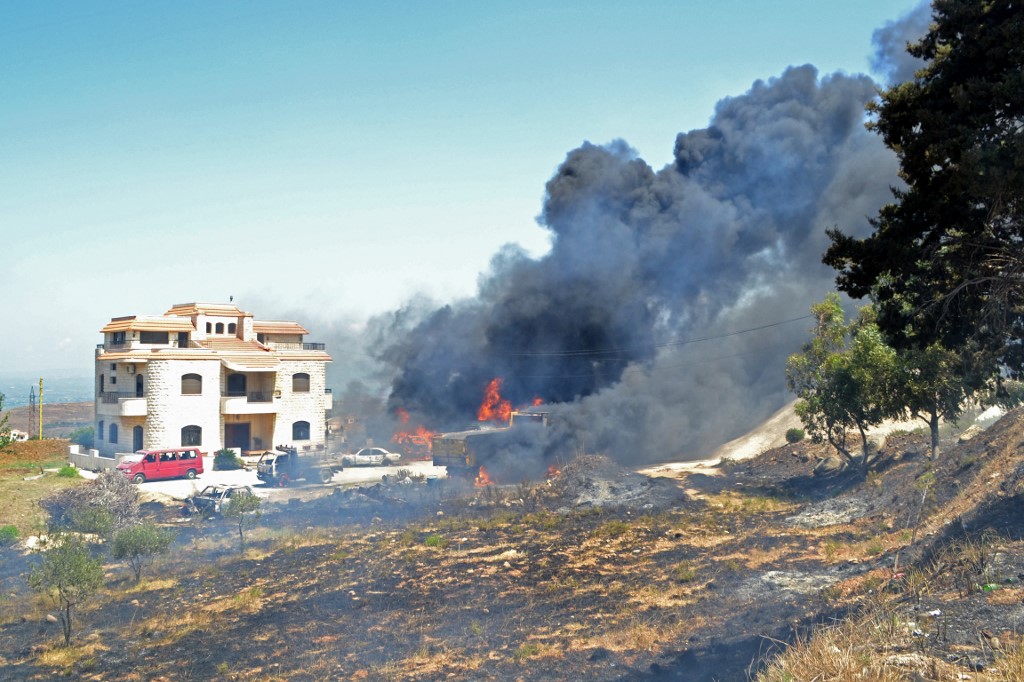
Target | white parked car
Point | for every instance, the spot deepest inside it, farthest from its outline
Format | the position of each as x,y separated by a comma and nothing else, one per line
370,457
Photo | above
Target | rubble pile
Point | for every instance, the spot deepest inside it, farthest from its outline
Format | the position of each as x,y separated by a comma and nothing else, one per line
597,481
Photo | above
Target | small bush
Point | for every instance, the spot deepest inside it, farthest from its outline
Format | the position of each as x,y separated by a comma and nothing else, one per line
68,472
94,520
85,436
8,535
794,435
435,541
227,460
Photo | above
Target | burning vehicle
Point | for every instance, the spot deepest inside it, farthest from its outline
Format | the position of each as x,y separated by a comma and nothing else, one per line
508,451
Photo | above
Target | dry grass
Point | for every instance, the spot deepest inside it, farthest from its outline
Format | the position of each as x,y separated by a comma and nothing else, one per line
21,497
65,658
639,632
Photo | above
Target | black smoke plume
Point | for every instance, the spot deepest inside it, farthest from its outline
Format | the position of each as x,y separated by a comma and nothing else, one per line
605,328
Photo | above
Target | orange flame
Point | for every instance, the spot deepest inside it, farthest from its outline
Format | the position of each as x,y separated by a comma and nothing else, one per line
415,441
554,471
494,408
483,479
538,401
419,436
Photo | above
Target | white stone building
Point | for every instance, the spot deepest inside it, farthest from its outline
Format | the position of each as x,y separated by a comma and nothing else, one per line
212,376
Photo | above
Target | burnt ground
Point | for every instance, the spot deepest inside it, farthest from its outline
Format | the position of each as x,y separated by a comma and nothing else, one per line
598,573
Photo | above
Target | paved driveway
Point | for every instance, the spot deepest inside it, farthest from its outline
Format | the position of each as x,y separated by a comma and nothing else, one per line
179,489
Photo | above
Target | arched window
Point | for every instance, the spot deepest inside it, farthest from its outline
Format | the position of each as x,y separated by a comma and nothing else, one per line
300,383
220,328
113,433
99,430
236,385
191,435
191,384
300,431
231,328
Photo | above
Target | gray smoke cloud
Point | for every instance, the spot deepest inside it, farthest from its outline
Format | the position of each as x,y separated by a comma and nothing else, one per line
891,59
606,327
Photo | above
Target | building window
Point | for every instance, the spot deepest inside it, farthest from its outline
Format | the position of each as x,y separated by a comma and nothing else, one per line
231,328
99,431
156,338
191,435
102,386
182,339
191,384
209,327
300,383
113,433
117,339
113,379
220,327
300,431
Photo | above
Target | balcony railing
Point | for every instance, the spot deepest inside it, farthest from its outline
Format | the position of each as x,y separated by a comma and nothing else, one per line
285,345
112,397
251,396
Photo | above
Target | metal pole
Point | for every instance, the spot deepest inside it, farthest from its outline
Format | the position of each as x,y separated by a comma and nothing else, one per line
40,409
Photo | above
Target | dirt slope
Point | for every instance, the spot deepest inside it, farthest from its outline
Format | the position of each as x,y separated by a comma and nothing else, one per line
59,419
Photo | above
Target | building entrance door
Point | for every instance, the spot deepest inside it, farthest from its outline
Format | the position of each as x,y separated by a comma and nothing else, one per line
136,439
237,436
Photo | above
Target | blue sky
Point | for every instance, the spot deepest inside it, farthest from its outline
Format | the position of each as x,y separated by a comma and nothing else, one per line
330,160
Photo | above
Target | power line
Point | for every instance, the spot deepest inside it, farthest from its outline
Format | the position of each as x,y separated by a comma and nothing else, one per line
677,365
668,344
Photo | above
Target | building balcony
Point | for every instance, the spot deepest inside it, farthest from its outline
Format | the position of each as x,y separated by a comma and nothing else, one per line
253,402
122,404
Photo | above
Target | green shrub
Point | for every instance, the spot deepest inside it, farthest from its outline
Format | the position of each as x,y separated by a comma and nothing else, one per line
435,541
8,535
226,460
68,472
85,436
95,520
794,435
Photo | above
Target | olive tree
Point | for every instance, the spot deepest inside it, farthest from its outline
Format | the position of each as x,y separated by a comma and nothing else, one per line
69,574
245,511
843,378
137,544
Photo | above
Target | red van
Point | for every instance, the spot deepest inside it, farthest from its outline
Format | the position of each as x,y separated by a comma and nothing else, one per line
153,465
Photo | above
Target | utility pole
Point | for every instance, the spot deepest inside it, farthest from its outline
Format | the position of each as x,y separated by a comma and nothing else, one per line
31,409
40,432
